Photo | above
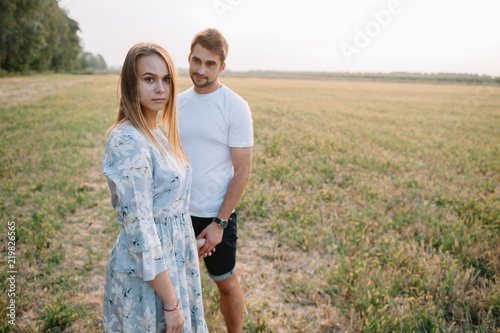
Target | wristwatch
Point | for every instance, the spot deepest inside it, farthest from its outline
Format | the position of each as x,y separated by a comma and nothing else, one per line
220,222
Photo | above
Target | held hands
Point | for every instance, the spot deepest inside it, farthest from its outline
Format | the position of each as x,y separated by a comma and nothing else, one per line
200,242
213,236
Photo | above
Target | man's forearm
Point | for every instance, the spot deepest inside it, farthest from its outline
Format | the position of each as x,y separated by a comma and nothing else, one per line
234,192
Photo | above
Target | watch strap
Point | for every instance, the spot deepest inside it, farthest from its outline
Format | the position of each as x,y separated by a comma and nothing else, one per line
220,222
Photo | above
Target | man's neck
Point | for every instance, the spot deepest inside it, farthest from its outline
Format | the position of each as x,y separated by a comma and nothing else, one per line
208,89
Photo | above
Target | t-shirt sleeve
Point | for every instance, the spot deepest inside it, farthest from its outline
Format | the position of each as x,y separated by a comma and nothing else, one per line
129,170
241,126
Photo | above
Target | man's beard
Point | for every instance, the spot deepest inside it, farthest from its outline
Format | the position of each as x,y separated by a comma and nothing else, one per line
201,85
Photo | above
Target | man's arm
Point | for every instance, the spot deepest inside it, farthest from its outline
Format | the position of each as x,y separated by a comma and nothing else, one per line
242,163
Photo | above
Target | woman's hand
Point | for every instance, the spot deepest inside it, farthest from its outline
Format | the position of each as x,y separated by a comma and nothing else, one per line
200,242
174,321
164,288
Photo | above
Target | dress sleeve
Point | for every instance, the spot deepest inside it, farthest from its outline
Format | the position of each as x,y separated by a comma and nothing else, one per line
128,167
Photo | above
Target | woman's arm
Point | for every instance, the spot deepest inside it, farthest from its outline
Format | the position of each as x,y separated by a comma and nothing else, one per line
164,288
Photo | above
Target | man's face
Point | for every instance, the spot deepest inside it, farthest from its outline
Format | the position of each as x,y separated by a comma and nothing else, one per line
204,69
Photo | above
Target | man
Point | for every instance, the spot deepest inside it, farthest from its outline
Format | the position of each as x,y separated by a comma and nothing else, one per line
217,136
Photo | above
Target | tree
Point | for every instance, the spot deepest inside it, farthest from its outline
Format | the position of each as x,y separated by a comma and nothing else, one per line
90,62
21,35
37,34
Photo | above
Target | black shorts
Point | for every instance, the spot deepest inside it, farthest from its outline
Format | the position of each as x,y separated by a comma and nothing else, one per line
222,263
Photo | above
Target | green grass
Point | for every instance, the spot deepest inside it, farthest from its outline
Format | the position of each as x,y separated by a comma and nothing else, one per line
47,149
379,177
58,315
391,190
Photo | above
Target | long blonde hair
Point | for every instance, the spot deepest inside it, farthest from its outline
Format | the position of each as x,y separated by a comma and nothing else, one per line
130,107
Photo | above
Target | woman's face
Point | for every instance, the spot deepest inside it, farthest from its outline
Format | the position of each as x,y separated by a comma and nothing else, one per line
153,83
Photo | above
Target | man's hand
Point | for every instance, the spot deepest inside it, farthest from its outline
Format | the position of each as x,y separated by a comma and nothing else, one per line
213,235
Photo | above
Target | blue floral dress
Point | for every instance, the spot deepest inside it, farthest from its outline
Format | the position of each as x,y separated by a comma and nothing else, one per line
151,198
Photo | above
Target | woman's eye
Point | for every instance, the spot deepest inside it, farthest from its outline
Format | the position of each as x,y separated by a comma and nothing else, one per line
149,79
167,79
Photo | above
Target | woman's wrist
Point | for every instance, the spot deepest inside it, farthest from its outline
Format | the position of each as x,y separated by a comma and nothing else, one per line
168,309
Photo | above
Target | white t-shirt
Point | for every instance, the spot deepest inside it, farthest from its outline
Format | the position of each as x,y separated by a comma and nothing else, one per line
209,125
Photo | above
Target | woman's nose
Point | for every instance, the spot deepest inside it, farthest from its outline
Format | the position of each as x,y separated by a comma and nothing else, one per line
159,87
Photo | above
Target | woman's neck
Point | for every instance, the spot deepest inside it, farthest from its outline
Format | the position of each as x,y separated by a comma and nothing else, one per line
150,118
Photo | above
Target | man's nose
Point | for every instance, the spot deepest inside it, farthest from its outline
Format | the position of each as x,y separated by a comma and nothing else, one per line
201,69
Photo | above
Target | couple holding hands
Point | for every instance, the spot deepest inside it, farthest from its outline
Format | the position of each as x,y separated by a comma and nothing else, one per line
175,183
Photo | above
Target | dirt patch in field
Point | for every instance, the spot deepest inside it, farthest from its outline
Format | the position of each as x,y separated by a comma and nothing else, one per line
79,279
19,90
88,251
286,287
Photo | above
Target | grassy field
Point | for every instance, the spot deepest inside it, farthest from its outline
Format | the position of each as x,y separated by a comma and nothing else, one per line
372,207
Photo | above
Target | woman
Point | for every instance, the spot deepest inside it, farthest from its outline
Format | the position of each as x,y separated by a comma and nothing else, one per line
152,279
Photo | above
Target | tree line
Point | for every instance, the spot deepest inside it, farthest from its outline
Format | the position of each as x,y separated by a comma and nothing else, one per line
394,76
38,35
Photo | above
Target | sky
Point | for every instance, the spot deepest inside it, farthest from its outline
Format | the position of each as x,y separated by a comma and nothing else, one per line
427,36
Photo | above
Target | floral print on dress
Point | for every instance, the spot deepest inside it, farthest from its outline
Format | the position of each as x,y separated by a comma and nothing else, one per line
150,196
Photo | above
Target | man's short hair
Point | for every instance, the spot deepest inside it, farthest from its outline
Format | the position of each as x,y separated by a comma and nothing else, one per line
212,40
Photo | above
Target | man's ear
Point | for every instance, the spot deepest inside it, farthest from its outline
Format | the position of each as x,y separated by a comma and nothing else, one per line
222,68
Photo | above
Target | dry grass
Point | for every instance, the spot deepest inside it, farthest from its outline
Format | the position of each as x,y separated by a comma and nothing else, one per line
372,206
